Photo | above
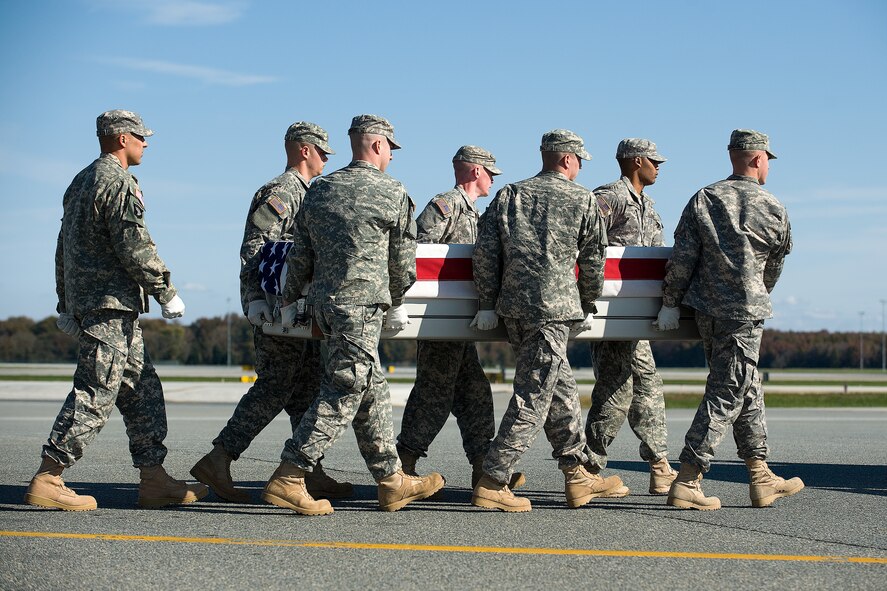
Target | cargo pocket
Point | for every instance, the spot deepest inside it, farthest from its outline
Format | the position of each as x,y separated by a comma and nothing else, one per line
343,358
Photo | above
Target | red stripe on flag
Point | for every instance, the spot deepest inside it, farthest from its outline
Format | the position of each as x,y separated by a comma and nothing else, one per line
460,269
443,269
635,269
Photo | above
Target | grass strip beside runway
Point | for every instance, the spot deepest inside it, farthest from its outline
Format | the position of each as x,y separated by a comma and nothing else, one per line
459,549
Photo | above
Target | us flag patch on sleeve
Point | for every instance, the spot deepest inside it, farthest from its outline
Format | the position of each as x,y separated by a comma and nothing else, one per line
443,206
603,206
278,205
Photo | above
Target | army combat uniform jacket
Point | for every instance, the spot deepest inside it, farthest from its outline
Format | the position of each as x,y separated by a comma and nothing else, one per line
629,218
356,238
105,258
730,245
449,218
530,240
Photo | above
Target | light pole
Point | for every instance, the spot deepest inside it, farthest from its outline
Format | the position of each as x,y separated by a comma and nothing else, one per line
861,314
883,339
228,318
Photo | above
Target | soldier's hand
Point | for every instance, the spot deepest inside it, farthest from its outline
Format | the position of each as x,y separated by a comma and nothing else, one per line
259,312
582,325
68,324
396,318
668,318
174,308
485,320
289,315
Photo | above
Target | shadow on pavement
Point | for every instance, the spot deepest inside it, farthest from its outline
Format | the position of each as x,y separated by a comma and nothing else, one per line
862,479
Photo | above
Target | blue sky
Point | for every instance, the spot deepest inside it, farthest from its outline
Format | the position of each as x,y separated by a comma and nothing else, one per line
219,82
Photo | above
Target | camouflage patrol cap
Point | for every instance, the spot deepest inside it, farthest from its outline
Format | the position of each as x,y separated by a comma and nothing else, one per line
634,147
564,140
749,139
374,124
477,155
118,121
309,133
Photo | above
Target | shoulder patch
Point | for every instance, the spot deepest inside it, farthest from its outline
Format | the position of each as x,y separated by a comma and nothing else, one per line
443,207
604,206
277,205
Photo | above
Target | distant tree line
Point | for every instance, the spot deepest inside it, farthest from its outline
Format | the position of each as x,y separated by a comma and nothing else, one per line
205,342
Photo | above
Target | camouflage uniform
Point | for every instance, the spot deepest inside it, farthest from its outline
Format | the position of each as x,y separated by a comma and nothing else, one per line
449,376
355,239
729,249
524,266
287,370
106,267
626,380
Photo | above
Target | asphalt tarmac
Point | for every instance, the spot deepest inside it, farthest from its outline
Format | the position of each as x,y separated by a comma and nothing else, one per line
831,535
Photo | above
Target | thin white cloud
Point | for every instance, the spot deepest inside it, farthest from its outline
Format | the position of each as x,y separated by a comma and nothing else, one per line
179,13
201,73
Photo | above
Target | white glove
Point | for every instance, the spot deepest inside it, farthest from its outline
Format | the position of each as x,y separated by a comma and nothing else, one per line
289,315
396,318
68,324
668,318
485,320
259,312
174,308
582,325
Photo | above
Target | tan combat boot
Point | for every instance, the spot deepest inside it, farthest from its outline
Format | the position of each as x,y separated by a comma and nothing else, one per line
686,490
491,495
581,485
47,489
286,489
159,489
320,485
661,476
477,471
765,487
399,489
214,470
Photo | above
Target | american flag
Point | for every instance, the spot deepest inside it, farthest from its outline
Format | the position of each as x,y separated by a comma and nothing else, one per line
271,266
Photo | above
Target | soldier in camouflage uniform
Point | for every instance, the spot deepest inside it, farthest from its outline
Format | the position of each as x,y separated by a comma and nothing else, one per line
449,376
729,249
106,266
355,240
288,370
626,381
530,240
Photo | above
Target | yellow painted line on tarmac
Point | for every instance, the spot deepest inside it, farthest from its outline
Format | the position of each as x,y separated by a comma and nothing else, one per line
460,549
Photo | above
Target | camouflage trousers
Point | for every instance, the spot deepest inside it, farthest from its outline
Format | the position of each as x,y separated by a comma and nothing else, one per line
113,369
626,385
449,378
733,394
545,397
353,390
288,374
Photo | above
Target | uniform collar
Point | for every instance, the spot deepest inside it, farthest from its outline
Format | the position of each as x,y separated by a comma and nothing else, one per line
466,198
